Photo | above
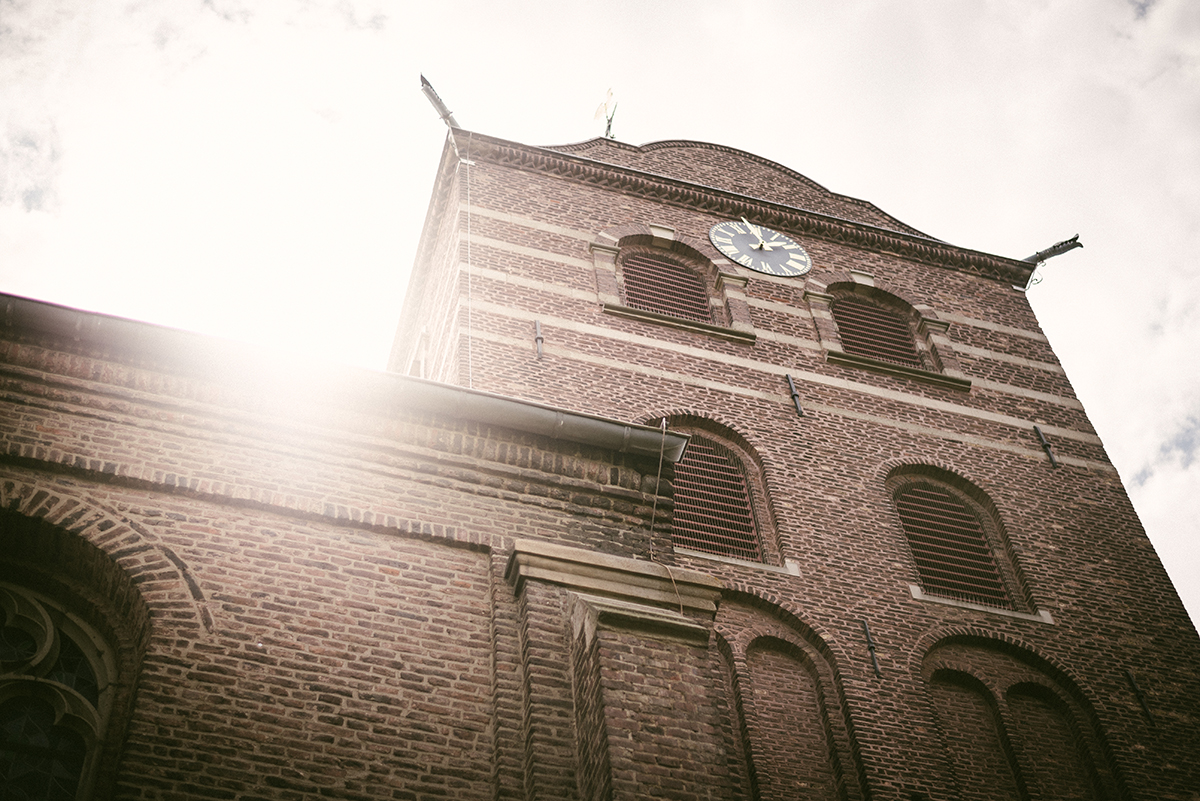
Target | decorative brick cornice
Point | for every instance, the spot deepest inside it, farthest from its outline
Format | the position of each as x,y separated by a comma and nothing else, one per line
696,196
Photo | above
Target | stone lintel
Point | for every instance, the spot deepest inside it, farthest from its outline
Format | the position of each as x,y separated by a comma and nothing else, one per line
591,612
635,581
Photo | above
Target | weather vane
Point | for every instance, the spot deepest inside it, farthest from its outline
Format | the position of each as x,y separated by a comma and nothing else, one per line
607,114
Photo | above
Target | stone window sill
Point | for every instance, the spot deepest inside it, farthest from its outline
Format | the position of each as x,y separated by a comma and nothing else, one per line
630,313
1041,617
915,373
790,570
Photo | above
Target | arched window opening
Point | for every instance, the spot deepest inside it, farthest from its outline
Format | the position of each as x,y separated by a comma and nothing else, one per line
713,512
39,759
791,727
1014,726
950,546
55,696
875,330
973,737
658,284
1054,752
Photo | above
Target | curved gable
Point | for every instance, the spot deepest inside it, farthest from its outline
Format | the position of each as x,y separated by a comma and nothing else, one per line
733,170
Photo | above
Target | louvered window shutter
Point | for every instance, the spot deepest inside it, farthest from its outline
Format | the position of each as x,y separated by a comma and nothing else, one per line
712,503
660,285
875,331
950,547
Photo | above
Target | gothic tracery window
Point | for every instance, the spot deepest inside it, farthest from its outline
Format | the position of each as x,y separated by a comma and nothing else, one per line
54,699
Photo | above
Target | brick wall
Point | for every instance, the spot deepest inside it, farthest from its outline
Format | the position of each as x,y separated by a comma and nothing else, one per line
324,612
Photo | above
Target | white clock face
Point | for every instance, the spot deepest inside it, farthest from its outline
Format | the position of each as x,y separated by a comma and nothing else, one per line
759,248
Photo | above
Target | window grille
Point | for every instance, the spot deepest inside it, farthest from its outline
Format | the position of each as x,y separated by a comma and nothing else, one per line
875,331
949,546
663,286
712,503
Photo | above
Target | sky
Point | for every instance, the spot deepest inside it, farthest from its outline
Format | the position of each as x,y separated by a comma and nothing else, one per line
259,169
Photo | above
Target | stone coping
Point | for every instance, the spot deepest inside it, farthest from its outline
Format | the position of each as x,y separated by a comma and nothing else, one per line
618,577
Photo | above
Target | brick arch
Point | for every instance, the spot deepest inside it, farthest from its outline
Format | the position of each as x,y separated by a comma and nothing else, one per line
750,624
1015,646
730,429
939,664
1034,673
830,281
717,423
743,450
121,551
1036,688
1008,563
786,641
955,477
966,715
619,236
773,607
950,472
86,560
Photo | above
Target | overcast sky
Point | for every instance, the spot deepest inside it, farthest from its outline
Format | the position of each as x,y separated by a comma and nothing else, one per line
259,169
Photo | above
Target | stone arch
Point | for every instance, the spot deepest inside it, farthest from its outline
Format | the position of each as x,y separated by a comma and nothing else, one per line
933,348
826,281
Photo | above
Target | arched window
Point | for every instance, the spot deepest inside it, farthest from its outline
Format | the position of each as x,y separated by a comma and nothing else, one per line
657,283
955,539
864,326
652,274
877,330
713,509
1014,726
55,698
949,545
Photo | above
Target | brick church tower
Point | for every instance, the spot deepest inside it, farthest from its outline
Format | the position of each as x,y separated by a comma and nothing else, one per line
690,480
912,571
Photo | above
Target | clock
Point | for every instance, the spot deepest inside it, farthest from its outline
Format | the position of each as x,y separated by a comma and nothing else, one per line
759,248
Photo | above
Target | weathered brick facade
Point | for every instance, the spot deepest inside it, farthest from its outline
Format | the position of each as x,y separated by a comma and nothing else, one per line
346,584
